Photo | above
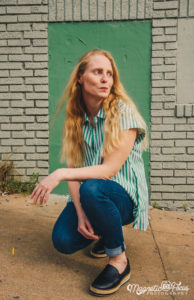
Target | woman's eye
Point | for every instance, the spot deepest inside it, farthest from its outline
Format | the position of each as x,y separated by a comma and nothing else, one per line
110,74
97,72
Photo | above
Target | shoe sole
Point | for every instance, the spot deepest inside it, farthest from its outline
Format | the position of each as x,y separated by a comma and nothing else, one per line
98,255
99,292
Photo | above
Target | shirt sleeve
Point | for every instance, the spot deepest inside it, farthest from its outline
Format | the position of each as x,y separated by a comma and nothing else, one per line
128,121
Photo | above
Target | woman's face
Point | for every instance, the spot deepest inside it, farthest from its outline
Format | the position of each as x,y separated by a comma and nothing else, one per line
97,80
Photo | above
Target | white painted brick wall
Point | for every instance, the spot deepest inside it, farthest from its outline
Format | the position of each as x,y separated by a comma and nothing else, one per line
101,10
23,67
24,87
170,169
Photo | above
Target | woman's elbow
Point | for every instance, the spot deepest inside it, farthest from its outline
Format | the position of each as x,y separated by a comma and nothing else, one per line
114,172
111,173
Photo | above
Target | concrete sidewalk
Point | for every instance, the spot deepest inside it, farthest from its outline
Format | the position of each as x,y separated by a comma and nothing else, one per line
34,270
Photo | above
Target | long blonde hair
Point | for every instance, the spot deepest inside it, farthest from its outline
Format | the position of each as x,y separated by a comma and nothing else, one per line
73,149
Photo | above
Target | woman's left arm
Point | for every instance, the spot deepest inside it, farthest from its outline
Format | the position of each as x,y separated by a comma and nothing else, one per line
112,163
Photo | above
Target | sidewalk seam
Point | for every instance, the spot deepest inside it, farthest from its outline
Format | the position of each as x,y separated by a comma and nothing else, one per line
158,249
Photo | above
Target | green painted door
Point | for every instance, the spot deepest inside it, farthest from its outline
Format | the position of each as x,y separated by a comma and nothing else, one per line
130,45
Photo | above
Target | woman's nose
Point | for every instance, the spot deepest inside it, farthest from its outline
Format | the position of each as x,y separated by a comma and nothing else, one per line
104,78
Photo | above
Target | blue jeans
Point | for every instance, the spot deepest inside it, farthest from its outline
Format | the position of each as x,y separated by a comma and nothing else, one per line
107,206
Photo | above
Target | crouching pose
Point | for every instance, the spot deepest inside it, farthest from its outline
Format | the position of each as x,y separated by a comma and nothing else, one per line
103,139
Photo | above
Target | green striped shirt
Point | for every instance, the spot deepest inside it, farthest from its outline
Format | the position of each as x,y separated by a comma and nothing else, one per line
132,174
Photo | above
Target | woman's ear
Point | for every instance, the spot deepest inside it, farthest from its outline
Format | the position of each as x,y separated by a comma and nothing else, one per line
79,80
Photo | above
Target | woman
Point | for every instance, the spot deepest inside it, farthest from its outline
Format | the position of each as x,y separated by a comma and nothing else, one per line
103,139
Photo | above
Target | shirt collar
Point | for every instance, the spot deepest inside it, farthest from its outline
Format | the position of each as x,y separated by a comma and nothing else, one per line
100,115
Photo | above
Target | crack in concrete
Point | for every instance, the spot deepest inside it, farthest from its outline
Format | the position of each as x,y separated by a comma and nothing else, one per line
180,234
159,253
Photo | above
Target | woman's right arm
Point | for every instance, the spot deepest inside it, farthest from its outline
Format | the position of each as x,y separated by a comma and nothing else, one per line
84,226
74,187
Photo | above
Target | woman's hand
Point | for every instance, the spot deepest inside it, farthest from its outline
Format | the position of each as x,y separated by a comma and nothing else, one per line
85,228
45,187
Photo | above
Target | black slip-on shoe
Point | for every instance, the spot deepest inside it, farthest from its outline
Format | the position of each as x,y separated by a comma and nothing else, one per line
98,250
110,280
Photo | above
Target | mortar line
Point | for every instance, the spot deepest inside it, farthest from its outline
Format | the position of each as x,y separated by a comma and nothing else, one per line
105,18
187,8
158,249
56,12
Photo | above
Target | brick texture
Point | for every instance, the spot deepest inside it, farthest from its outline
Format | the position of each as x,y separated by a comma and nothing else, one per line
24,66
68,10
171,124
24,87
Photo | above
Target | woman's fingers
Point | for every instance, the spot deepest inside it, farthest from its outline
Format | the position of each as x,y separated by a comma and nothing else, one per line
41,193
45,187
42,196
89,226
36,194
88,235
46,196
82,231
85,228
91,230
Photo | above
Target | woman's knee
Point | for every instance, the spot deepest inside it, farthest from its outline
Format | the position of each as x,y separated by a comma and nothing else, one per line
89,191
61,242
89,187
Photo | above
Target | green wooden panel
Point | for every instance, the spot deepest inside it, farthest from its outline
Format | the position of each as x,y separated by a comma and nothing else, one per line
130,45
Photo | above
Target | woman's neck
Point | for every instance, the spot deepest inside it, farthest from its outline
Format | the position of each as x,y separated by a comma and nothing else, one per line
93,107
